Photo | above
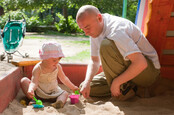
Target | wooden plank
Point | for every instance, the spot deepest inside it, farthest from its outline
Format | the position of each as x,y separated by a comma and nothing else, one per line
169,43
172,14
171,24
164,2
158,25
163,12
25,63
168,52
167,72
170,33
167,60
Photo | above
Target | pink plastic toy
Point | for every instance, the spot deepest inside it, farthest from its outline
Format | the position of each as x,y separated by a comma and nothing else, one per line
74,99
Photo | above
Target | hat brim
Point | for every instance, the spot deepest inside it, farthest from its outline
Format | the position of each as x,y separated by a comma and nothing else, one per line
51,56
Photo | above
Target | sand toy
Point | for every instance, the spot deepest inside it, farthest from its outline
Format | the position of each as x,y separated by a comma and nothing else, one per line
74,97
38,104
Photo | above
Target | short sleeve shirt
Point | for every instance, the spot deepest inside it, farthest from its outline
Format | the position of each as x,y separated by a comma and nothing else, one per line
127,37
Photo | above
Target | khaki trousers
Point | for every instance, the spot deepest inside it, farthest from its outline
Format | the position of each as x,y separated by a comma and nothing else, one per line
113,65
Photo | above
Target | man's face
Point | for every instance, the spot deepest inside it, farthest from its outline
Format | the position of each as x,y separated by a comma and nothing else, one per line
91,24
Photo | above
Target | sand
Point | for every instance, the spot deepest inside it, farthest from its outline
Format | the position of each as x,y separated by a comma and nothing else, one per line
159,105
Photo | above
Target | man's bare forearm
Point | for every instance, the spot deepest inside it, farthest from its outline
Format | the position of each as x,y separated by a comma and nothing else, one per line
92,69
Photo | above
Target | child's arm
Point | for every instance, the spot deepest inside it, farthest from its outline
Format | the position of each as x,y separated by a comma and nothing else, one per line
65,80
34,81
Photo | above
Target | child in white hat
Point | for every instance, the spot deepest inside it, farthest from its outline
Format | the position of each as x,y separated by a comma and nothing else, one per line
44,83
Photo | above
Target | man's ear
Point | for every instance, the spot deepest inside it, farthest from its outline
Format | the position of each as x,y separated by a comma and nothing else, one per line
99,16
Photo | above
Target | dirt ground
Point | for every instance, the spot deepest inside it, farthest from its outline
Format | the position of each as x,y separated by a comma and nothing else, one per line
32,46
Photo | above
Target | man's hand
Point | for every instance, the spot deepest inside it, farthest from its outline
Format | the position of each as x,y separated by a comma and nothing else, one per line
85,90
115,88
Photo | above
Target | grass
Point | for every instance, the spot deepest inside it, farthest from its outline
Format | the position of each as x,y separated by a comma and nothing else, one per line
61,34
83,42
34,37
81,56
84,55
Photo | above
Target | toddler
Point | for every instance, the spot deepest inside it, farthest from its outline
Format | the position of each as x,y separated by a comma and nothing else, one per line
45,74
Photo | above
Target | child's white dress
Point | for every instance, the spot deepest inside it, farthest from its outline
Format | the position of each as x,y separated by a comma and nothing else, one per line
48,85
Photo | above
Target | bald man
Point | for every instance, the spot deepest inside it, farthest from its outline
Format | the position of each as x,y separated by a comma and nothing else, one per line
128,60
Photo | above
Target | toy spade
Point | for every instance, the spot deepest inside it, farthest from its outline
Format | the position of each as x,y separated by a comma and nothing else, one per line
38,102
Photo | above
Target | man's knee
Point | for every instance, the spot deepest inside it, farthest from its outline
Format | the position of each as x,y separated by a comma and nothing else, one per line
100,91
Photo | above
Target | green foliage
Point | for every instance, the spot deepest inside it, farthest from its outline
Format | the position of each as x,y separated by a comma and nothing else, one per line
32,22
131,9
111,6
14,15
48,20
67,26
73,26
61,26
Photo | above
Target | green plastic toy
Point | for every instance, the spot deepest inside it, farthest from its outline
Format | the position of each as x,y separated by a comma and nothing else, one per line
38,106
38,102
77,92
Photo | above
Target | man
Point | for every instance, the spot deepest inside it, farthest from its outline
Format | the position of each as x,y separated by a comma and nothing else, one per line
128,59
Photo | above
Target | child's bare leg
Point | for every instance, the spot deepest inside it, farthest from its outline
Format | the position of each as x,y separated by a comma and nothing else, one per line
61,100
25,85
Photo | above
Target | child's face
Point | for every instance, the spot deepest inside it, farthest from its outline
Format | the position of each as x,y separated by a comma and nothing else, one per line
54,61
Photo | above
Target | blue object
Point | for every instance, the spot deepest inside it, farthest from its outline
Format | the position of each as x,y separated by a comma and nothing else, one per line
138,8
37,106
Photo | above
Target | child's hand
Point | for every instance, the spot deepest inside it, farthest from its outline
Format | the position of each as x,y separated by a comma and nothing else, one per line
75,88
30,93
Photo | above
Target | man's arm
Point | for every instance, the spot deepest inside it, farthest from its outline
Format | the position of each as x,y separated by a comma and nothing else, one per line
92,69
138,64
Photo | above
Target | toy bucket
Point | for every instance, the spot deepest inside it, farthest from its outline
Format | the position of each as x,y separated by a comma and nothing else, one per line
74,99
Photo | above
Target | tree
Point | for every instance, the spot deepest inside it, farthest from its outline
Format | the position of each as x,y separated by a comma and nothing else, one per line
105,6
110,6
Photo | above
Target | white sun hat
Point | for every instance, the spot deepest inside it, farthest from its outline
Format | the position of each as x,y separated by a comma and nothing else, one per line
51,50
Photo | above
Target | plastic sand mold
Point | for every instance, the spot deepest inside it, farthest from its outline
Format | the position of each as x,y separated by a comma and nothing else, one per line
37,106
74,98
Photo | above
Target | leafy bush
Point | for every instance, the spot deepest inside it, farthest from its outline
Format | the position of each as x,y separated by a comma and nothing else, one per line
73,26
14,15
67,26
61,25
48,20
32,22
